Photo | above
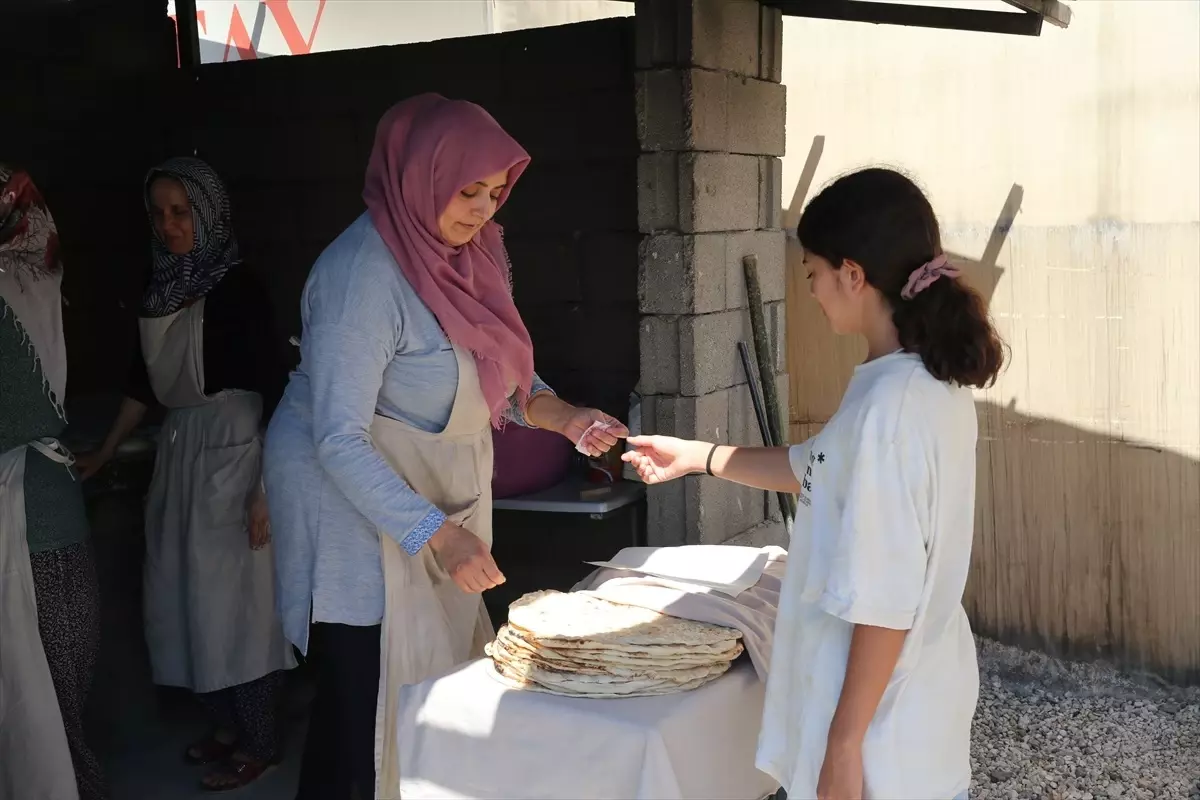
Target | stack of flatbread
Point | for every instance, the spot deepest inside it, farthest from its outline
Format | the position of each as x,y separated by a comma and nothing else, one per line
578,645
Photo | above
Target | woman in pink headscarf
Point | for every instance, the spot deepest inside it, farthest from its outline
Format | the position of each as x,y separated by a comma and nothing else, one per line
379,460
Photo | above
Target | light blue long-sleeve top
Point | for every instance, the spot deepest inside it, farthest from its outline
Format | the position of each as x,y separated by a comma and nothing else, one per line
370,346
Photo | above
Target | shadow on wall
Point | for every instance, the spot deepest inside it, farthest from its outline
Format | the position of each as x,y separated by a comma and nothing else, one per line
1079,547
214,52
1079,550
1086,545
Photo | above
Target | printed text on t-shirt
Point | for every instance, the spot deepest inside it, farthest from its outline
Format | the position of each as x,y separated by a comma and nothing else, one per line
806,482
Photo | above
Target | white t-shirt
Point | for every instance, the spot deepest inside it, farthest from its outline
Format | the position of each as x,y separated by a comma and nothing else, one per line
882,537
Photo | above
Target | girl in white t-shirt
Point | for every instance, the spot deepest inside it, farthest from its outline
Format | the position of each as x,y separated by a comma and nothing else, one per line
873,679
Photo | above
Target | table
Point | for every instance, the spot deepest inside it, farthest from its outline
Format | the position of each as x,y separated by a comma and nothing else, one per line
574,496
467,735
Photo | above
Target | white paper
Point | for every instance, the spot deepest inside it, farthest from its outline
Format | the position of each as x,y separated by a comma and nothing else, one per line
603,426
726,569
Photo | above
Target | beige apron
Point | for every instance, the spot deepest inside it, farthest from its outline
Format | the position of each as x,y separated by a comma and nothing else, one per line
209,599
35,762
429,624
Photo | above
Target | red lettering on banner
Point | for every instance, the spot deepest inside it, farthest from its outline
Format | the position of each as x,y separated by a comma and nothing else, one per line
296,42
239,37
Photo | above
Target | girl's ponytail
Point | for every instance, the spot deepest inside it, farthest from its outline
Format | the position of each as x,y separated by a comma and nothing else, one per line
880,220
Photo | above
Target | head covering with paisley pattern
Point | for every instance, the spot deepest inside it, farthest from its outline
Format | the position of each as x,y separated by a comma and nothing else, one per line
179,279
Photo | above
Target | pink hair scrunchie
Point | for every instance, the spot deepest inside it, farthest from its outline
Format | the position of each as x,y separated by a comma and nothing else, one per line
925,275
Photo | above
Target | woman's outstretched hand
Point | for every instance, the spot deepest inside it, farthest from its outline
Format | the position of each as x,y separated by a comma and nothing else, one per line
595,439
591,431
659,459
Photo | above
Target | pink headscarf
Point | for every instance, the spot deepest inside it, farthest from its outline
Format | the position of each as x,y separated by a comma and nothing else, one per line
426,149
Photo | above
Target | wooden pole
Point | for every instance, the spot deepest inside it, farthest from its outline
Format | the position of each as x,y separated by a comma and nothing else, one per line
766,362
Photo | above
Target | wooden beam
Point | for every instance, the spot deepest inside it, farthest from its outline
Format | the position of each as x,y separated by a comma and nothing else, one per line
1053,11
944,17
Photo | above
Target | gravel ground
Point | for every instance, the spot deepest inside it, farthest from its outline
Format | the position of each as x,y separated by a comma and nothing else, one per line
1080,731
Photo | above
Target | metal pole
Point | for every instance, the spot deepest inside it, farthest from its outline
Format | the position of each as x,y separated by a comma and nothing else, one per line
786,503
188,30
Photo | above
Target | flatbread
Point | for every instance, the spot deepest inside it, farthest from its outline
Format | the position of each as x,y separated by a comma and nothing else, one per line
653,651
502,651
552,676
580,645
614,666
512,640
600,661
582,616
527,674
594,691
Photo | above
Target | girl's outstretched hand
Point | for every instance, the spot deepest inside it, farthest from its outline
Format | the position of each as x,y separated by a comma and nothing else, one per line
659,459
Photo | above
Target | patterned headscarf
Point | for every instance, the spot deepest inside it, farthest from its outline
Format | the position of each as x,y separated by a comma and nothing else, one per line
28,236
176,280
31,276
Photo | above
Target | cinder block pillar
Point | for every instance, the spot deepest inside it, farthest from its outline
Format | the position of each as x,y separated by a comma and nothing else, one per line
711,128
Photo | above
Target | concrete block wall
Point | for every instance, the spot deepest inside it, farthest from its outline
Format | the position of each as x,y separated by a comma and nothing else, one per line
710,123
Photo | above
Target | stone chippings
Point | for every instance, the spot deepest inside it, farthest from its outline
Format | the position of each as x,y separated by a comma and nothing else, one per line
1060,730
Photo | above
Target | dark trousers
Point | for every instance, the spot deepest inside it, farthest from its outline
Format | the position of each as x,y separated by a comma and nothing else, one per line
250,710
339,752
68,605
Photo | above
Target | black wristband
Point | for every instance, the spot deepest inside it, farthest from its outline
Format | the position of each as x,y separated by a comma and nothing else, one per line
708,464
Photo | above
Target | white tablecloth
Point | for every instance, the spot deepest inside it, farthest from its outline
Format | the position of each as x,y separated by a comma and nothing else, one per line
466,735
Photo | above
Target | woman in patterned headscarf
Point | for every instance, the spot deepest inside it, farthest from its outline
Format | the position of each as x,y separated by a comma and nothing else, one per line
49,626
208,355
